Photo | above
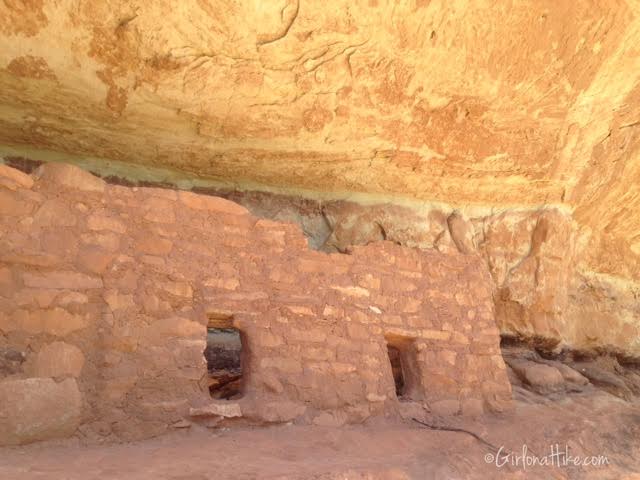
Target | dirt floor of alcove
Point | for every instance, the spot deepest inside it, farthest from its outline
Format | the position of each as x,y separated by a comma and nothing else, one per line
589,424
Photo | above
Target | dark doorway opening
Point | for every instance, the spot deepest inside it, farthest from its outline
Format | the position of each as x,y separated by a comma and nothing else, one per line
396,369
224,355
403,357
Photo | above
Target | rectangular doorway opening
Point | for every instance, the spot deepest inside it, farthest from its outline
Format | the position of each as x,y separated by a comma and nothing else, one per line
396,369
225,357
404,367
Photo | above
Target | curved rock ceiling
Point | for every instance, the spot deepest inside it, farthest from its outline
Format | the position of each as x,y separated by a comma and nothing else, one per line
477,104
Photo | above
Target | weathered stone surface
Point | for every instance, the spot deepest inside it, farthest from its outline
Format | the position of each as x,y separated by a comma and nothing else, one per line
159,210
17,176
107,240
217,409
605,379
54,212
58,359
38,409
281,411
117,300
6,278
103,222
330,419
67,298
179,289
153,245
55,321
351,291
62,280
11,360
461,233
212,204
472,407
175,327
542,378
12,204
33,296
569,374
284,364
445,407
225,283
70,176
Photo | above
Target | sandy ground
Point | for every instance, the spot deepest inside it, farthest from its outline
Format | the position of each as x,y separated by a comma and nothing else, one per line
589,425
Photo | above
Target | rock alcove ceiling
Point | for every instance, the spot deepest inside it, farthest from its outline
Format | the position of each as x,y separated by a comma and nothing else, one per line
367,120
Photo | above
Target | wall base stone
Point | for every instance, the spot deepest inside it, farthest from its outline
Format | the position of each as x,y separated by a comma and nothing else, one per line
38,409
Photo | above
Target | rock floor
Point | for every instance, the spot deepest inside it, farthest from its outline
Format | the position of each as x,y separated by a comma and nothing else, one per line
589,424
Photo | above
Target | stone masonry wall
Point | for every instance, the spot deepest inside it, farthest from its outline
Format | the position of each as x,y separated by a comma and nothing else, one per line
105,292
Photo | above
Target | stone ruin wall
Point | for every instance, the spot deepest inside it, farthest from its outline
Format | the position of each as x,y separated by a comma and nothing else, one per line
106,291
